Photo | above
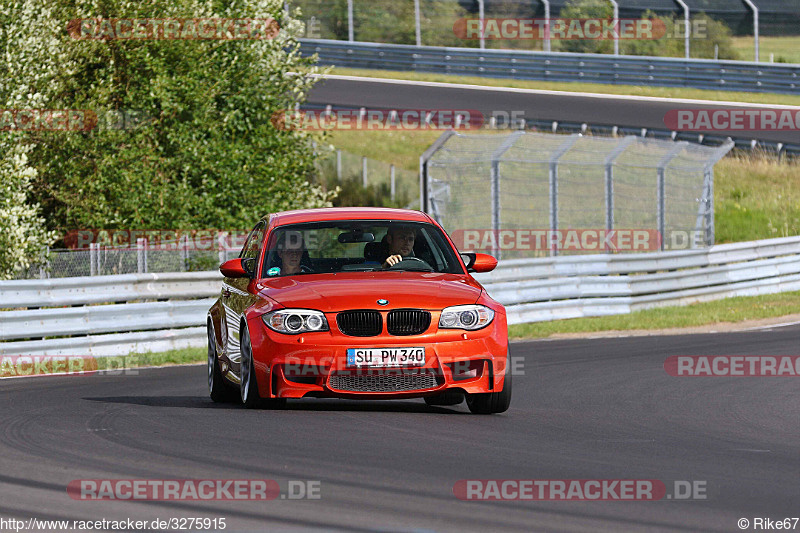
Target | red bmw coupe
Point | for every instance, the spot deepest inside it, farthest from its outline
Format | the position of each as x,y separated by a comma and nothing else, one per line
361,303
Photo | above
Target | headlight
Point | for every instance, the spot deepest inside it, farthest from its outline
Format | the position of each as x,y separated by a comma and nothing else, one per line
466,317
293,321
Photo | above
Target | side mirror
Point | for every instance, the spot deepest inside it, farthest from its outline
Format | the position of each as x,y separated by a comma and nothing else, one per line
237,268
479,262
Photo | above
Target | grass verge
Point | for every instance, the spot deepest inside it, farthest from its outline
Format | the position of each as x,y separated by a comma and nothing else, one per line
634,90
22,365
142,360
786,49
728,310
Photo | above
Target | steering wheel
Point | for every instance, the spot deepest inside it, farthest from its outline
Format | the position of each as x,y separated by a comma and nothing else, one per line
306,269
411,258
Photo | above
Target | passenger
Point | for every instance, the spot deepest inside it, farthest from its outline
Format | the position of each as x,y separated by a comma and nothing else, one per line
401,244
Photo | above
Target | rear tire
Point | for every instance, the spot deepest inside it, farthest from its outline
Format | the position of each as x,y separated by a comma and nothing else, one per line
493,402
217,388
448,398
249,384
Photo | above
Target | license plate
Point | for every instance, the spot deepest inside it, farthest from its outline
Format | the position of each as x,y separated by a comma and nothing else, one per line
381,357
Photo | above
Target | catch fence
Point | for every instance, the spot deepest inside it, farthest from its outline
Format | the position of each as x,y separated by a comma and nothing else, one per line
526,194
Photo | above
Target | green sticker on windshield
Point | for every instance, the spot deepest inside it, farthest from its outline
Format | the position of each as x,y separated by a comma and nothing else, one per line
274,271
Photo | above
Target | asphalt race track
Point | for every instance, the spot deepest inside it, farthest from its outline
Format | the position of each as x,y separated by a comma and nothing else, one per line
584,409
536,105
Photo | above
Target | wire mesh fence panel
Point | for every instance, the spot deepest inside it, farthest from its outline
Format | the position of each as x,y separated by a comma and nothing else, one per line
399,185
443,22
459,189
106,261
687,201
437,19
581,183
322,19
636,186
460,193
528,194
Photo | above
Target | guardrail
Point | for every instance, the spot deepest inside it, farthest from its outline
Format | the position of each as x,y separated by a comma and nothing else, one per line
747,144
561,66
554,288
158,312
136,313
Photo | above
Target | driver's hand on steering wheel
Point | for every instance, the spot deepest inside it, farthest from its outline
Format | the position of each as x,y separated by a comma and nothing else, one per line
392,260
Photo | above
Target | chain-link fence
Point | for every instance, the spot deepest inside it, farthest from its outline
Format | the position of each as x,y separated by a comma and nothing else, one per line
530,194
398,185
106,260
432,24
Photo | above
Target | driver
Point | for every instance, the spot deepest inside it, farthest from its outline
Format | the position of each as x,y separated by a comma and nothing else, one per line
290,250
401,244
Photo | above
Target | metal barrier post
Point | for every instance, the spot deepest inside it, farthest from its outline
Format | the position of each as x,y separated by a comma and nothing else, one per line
222,246
43,267
546,46
616,26
481,17
141,255
184,249
92,258
609,178
710,229
364,171
709,179
553,182
417,28
661,211
424,178
338,165
686,21
752,6
392,187
350,20
495,187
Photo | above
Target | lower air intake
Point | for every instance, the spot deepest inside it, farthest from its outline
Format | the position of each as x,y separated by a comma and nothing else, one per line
383,382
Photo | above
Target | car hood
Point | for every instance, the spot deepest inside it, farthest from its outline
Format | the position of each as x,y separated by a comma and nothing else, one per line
362,290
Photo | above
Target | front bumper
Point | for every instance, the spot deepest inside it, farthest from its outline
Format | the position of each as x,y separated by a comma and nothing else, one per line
315,364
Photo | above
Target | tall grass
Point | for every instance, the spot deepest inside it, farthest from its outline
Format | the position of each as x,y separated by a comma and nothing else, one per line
756,198
785,49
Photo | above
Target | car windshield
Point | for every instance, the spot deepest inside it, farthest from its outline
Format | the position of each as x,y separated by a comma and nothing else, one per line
358,246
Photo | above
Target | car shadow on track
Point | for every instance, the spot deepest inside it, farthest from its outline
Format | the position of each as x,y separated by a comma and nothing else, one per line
200,402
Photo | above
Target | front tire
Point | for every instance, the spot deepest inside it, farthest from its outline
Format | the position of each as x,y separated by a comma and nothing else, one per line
493,402
249,384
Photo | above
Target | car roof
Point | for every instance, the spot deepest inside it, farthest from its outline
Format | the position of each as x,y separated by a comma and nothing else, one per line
346,213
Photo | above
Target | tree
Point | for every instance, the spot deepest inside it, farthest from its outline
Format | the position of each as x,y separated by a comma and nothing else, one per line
704,34
202,151
22,232
24,39
586,9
